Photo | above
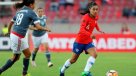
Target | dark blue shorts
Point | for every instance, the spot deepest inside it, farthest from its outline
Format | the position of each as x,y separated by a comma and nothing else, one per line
78,48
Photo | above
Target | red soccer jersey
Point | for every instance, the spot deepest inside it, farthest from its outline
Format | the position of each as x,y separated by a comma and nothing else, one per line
86,28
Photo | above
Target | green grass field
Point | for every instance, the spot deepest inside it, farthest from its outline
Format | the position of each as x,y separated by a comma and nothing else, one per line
124,63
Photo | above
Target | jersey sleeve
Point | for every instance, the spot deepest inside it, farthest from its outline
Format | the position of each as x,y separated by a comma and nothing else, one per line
34,17
13,19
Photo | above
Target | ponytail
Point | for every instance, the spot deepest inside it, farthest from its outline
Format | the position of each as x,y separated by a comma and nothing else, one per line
89,5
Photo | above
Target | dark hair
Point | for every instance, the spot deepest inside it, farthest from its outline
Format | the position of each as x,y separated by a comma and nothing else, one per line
89,5
24,2
39,8
18,6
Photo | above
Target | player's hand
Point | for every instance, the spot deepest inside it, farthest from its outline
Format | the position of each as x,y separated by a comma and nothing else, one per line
46,29
102,32
49,30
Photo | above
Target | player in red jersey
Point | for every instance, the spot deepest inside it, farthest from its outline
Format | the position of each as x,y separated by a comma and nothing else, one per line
84,41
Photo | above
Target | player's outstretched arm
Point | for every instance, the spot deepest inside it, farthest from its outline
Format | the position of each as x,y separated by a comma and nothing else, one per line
98,29
32,28
37,25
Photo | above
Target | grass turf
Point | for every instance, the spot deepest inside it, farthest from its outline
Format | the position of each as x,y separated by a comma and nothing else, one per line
123,63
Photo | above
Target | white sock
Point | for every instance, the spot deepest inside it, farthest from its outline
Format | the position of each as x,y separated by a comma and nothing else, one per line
65,66
90,62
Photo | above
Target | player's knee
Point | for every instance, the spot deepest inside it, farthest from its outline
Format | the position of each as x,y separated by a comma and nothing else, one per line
73,61
28,55
16,58
95,55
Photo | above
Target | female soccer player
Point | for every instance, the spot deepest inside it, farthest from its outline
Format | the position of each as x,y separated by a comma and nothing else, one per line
84,41
41,37
22,19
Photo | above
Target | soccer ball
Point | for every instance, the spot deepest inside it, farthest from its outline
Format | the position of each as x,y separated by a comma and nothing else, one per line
112,73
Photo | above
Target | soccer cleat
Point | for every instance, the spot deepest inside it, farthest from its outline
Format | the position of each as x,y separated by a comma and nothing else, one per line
50,64
33,64
86,74
61,74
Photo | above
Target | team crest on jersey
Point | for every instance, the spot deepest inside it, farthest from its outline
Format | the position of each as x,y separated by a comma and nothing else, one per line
77,50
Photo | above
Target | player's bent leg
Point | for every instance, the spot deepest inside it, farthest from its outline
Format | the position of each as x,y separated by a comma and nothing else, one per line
47,54
9,63
34,53
91,60
37,42
67,64
74,58
27,55
92,52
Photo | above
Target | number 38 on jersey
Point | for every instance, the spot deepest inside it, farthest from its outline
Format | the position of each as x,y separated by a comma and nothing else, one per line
19,18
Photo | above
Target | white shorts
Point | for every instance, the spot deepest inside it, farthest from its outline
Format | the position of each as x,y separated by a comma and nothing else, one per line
18,44
39,40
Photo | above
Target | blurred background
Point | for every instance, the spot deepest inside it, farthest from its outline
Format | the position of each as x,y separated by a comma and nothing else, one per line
64,14
116,17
